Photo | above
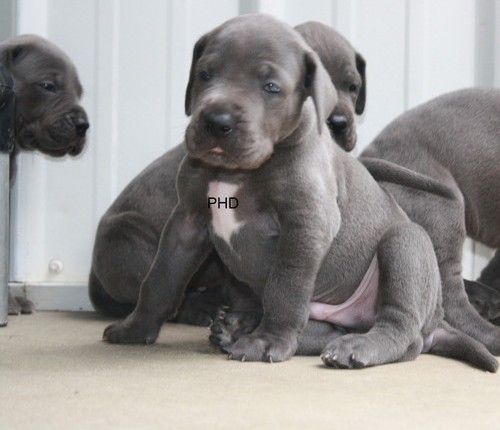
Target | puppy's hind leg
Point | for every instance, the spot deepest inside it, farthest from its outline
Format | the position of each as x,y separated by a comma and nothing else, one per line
103,302
409,283
449,342
124,249
316,335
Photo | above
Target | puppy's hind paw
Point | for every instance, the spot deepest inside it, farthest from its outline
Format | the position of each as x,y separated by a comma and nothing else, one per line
227,328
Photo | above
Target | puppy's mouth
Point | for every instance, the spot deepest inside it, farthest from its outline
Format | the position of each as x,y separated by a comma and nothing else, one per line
217,150
216,156
56,140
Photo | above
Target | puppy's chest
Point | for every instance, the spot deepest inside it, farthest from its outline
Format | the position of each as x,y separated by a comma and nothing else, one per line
223,200
240,228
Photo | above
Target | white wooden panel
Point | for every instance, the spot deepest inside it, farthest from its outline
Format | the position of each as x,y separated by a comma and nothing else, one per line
497,44
378,32
440,49
317,10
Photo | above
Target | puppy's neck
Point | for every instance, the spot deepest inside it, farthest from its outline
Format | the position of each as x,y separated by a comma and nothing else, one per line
306,131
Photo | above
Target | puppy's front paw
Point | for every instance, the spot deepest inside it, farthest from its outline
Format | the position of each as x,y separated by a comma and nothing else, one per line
351,351
263,347
131,331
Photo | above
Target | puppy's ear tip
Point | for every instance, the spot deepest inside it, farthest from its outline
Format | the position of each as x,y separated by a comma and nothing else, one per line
9,54
310,69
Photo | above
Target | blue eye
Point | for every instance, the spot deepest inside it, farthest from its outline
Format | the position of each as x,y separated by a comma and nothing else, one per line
272,88
48,86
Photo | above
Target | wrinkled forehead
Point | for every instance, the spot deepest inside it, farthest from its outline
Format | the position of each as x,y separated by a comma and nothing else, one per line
44,64
252,47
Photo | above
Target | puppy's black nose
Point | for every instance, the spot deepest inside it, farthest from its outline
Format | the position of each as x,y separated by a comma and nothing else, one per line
220,123
81,125
338,122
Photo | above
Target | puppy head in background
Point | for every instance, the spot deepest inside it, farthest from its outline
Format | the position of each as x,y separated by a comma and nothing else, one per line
47,90
346,68
248,83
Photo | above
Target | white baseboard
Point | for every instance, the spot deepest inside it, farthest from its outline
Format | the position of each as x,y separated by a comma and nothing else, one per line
52,296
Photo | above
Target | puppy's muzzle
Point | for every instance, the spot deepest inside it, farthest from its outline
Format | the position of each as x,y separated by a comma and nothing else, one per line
342,128
219,122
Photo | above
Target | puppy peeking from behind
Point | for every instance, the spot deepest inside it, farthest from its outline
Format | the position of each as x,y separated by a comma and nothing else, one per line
48,114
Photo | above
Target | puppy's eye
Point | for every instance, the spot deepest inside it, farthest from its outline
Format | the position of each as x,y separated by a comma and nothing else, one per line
272,88
353,88
204,75
48,86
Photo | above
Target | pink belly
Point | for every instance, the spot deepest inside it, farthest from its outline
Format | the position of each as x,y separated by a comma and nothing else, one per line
357,312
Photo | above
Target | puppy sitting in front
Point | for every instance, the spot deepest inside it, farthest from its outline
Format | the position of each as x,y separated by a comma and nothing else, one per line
311,225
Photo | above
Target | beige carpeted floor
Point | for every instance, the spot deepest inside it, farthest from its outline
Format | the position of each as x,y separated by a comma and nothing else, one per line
56,373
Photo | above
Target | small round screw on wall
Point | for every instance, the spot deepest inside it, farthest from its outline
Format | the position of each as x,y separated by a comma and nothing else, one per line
55,266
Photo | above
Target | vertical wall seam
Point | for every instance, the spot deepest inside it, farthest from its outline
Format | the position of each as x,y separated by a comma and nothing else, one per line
115,98
406,92
95,125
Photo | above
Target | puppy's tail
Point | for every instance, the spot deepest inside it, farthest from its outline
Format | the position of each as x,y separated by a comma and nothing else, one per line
387,171
449,342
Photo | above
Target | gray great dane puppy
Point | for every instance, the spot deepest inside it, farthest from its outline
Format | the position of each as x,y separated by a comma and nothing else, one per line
48,115
313,234
454,138
347,69
129,231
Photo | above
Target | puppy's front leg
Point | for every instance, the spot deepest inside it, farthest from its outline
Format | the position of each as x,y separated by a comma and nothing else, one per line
286,295
184,245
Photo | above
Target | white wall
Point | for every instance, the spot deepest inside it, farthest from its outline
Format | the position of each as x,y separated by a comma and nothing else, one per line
133,58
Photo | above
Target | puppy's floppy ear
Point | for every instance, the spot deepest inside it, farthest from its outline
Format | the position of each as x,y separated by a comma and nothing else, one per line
10,53
361,100
198,49
319,86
